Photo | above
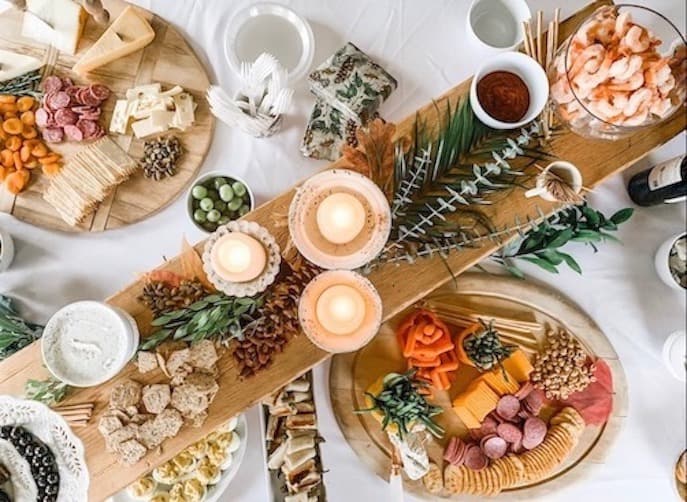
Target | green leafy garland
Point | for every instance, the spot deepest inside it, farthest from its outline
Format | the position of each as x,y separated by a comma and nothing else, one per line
441,182
15,332
542,244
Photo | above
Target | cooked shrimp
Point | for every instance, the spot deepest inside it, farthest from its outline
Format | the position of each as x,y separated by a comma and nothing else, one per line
637,99
622,24
658,73
661,107
603,109
561,92
636,39
638,118
633,65
593,53
665,88
591,80
633,83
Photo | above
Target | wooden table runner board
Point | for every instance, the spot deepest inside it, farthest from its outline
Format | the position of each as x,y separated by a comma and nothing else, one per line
168,60
352,374
399,286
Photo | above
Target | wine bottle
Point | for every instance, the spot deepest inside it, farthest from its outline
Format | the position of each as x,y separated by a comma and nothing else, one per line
663,183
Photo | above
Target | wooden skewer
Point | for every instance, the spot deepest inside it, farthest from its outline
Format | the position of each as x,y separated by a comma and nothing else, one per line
526,38
540,20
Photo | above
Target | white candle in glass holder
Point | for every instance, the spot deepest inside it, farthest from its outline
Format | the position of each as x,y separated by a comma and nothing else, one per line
238,257
340,218
340,309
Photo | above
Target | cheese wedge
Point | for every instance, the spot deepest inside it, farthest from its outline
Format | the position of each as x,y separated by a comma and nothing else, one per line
127,34
55,22
12,65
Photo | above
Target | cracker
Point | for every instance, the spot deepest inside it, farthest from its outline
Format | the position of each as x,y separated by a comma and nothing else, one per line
156,397
125,394
433,479
204,355
150,434
115,438
131,451
169,422
108,424
453,481
147,361
188,400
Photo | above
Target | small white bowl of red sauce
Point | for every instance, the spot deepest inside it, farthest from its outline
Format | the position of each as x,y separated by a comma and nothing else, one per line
509,91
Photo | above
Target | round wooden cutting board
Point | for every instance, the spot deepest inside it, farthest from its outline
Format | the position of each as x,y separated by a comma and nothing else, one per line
168,60
490,295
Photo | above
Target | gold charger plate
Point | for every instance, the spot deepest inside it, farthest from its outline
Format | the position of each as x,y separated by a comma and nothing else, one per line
491,295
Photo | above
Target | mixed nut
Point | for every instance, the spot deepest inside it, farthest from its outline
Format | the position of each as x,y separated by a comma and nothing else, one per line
160,157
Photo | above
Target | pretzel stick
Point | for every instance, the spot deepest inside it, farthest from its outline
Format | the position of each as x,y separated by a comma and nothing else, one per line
75,406
540,20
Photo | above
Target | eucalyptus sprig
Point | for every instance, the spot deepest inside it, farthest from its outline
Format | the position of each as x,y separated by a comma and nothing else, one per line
15,332
402,404
216,316
48,392
542,244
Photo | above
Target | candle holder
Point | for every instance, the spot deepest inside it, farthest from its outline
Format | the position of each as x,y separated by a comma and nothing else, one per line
340,294
262,281
370,213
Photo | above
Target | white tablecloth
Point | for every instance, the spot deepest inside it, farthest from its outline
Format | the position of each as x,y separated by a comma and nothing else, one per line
423,44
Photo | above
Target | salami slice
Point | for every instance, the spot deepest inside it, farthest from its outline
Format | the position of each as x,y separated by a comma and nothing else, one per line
53,134
81,109
52,84
535,401
67,82
516,447
508,407
73,133
475,434
87,98
99,92
89,128
509,432
475,459
451,450
495,447
58,100
485,439
524,390
488,426
42,117
534,432
65,116
461,450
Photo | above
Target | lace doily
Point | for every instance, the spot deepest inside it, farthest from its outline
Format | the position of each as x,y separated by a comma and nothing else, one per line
260,284
57,435
20,473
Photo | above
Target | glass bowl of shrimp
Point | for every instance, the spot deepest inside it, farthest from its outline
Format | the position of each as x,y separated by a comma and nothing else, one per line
621,71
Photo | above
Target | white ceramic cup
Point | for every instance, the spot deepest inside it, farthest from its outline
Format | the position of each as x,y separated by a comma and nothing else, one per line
529,71
564,170
497,24
662,262
6,250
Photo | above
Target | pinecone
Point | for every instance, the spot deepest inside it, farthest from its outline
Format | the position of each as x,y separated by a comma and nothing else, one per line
346,69
350,133
160,297
277,320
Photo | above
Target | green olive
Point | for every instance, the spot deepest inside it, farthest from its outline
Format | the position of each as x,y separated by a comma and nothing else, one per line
234,204
226,193
207,204
239,188
244,210
200,216
219,182
214,216
199,192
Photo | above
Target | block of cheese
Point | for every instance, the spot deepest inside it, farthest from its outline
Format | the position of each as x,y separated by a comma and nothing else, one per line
518,365
59,23
128,33
12,65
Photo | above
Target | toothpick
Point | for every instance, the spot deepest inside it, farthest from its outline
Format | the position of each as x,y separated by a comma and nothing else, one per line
526,39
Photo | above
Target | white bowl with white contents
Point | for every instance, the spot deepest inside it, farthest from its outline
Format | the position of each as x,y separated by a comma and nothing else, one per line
87,343
274,29
529,71
6,250
674,355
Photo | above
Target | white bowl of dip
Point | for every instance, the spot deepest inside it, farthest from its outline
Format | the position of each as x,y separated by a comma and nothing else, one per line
87,343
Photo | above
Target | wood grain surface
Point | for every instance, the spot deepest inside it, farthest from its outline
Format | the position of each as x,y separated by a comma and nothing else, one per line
399,286
168,60
490,295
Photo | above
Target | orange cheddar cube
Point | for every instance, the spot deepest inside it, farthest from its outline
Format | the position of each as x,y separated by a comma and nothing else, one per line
466,417
519,366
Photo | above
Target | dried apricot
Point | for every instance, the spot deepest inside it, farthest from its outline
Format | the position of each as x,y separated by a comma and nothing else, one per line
3,134
31,164
4,171
18,163
29,132
39,150
17,181
6,158
28,118
49,159
51,169
7,98
11,114
25,103
32,143
25,153
13,143
13,126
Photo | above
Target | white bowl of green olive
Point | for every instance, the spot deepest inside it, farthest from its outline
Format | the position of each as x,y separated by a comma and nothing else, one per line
216,198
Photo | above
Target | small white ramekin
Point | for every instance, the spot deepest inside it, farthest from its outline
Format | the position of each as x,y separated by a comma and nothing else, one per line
662,262
496,13
529,71
128,330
